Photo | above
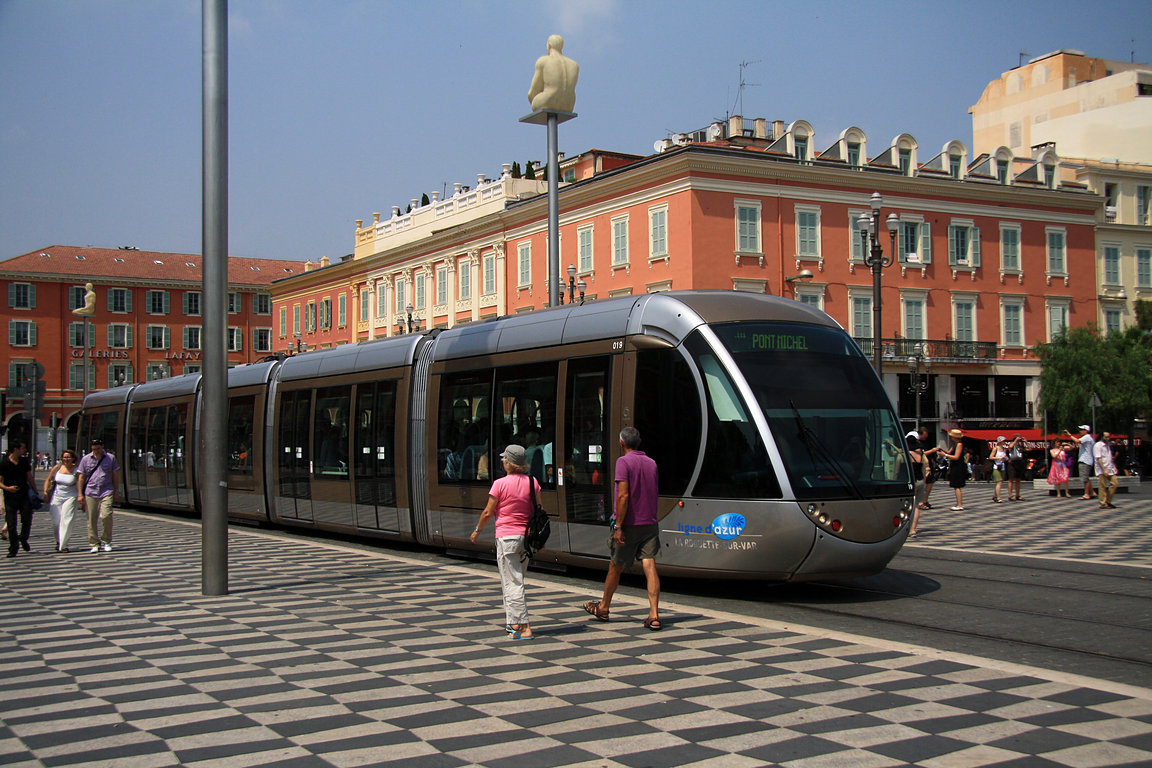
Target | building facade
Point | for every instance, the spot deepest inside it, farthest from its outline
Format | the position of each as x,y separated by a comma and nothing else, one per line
147,324
987,264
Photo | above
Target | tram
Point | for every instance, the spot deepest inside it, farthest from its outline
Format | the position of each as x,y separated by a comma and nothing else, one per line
780,456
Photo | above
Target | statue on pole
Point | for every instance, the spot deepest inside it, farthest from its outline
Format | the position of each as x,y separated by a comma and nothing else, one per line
554,82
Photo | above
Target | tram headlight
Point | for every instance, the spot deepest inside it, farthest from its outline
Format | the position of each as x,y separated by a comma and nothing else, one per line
907,505
813,509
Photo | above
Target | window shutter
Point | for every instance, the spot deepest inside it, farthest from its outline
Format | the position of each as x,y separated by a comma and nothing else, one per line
128,336
128,299
111,334
239,340
32,333
167,302
111,293
11,294
975,246
926,243
951,245
12,332
32,297
184,301
167,338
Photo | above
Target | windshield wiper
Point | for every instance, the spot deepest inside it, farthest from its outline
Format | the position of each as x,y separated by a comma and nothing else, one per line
814,445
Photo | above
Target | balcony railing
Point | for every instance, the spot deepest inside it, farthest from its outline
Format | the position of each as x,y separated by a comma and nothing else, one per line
947,350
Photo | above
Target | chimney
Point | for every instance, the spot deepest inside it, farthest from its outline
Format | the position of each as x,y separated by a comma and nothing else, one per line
760,128
324,261
735,126
308,265
778,129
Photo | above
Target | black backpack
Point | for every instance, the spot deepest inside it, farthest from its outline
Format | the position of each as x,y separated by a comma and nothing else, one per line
539,527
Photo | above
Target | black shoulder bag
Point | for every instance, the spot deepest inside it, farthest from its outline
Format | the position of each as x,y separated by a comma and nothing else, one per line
539,527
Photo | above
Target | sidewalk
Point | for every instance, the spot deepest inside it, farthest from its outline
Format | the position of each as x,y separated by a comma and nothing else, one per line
328,655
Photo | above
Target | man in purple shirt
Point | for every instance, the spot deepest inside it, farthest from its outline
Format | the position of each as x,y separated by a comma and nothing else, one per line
96,478
635,527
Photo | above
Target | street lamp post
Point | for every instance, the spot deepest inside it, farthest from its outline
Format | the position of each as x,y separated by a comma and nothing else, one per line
919,381
409,309
573,286
869,225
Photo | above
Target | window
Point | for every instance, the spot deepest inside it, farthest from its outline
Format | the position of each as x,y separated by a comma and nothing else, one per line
905,161
119,373
310,316
157,336
465,270
955,169
21,333
324,314
192,368
965,318
233,303
1143,205
748,227
914,317
800,143
1144,267
963,245
156,371
401,301
119,300
915,241
489,275
807,233
19,373
419,285
1111,265
619,241
283,322
192,337
1057,265
1013,322
235,339
1002,171
342,318
192,302
441,286
584,239
296,319
262,339
261,304
1112,320
119,335
854,154
862,317
854,237
21,295
364,305
811,296
76,295
524,265
381,300
658,231
76,335
76,376
1057,317
156,302
1010,247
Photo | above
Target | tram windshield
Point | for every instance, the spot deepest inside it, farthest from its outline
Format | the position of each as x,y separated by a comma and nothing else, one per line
828,413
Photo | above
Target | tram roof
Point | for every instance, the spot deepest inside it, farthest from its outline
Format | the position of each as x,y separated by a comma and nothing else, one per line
348,358
159,389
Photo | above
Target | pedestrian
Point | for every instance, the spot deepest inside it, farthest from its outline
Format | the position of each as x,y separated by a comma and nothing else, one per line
97,480
1105,470
1086,459
635,527
930,457
1017,466
60,487
1058,470
920,470
1000,467
957,468
509,501
16,480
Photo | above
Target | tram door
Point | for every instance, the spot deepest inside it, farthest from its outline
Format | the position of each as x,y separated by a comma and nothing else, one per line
587,451
374,446
331,476
294,491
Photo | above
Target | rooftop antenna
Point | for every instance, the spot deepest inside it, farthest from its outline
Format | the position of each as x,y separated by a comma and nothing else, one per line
738,106
1020,58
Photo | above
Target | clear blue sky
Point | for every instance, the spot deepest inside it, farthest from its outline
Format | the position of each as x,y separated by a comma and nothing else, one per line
338,109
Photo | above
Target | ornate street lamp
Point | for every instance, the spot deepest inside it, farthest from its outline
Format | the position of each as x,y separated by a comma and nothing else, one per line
573,286
869,225
409,309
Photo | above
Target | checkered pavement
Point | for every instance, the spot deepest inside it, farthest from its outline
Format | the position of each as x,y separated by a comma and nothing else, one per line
329,655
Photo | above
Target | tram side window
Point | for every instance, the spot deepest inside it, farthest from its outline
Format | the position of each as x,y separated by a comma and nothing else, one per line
330,439
154,442
667,410
464,420
241,422
736,463
137,447
526,397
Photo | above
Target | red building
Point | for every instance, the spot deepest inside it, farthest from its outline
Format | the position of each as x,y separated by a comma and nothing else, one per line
990,258
147,325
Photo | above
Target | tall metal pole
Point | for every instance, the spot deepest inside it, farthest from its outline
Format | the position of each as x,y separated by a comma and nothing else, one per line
877,314
553,212
212,480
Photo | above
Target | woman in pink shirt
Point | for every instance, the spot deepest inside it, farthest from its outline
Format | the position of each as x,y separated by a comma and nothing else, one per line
510,503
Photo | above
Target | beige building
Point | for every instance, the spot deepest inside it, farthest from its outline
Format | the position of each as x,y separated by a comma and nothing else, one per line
1097,114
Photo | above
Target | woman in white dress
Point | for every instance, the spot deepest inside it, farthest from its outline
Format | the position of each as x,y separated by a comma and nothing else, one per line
61,483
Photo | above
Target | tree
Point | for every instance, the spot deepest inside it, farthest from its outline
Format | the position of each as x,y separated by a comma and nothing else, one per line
516,169
529,172
1079,362
1144,314
424,200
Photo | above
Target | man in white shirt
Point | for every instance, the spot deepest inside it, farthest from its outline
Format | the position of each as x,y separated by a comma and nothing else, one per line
1105,470
1085,461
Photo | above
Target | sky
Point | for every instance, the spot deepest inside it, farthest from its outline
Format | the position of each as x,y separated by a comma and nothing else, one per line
339,108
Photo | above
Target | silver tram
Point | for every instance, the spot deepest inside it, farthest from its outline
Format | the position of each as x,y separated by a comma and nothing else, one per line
779,452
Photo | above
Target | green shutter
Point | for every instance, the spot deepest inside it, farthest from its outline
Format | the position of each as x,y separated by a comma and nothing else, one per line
975,246
926,243
32,297
951,245
32,333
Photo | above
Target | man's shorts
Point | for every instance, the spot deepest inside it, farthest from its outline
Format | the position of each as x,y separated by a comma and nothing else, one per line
641,542
1085,471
